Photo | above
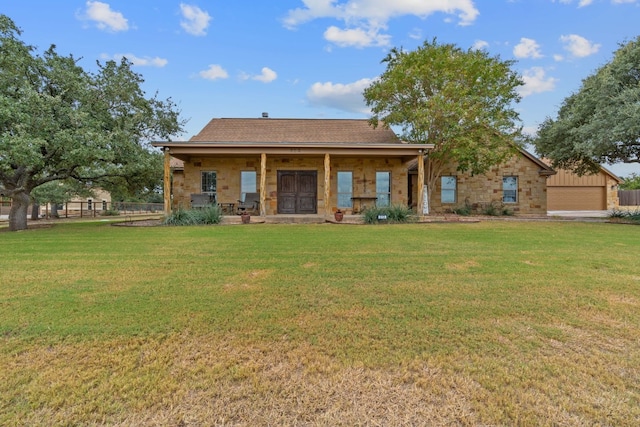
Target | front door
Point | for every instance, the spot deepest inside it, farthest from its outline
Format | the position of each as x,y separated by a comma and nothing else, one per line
297,192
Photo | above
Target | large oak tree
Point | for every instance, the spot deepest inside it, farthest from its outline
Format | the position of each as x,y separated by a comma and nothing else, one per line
600,123
460,101
59,122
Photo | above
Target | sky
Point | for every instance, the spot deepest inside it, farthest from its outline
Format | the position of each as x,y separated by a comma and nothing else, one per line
313,58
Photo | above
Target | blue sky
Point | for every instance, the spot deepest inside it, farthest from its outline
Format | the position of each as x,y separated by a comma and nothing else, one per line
313,58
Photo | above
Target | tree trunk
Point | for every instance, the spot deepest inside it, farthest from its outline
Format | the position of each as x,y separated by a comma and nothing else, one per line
35,211
54,210
18,213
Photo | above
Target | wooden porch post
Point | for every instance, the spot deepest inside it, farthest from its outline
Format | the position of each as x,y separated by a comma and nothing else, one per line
263,184
420,199
327,184
167,181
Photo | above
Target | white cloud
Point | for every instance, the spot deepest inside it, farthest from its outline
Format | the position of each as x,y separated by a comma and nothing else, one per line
579,46
480,44
346,97
195,20
527,48
557,57
581,3
267,76
104,17
214,72
536,81
365,19
416,34
357,37
146,61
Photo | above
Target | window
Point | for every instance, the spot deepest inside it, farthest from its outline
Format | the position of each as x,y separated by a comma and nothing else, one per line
248,181
383,188
448,189
509,189
89,204
345,189
208,184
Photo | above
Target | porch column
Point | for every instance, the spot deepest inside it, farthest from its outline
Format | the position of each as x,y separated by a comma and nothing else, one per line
327,184
167,181
263,184
420,198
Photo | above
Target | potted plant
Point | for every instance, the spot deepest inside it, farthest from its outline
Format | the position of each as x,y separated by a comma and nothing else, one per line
246,218
338,215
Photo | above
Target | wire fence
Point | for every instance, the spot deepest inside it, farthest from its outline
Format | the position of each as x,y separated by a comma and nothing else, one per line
87,209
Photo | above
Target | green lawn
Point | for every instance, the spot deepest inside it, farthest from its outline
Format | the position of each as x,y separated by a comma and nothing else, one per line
491,323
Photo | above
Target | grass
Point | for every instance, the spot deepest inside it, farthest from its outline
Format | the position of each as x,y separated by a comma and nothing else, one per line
497,323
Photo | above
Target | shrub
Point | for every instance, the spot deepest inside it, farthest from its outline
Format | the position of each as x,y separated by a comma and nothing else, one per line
110,212
633,216
492,209
393,214
616,213
464,210
209,215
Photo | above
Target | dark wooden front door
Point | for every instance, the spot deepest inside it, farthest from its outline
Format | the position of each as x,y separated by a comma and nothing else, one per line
297,192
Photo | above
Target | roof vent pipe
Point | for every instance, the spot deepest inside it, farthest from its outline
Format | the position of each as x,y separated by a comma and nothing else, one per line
265,115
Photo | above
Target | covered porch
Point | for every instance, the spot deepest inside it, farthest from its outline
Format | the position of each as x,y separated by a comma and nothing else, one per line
313,179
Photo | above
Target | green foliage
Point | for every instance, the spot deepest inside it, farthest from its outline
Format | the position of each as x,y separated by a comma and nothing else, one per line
496,209
60,123
460,101
393,214
632,182
464,210
633,216
110,212
204,216
600,123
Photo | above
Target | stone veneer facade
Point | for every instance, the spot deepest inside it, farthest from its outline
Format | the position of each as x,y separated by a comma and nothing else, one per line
481,190
228,171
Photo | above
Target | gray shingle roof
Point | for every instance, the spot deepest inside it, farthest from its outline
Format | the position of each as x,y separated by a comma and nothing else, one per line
267,130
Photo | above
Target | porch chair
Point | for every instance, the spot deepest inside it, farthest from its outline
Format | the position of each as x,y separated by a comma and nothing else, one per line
251,204
200,201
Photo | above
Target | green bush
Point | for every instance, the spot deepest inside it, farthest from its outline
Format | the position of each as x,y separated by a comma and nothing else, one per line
181,216
393,214
110,212
464,210
626,215
496,209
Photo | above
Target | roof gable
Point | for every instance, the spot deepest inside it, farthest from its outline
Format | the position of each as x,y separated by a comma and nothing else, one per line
267,130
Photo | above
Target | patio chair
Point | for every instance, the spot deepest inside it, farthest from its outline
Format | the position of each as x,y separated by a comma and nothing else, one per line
200,201
251,204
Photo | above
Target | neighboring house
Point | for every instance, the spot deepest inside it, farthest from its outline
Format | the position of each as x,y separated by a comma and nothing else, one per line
319,166
98,202
569,192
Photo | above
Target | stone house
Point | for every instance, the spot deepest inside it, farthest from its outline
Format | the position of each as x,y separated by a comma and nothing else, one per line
319,166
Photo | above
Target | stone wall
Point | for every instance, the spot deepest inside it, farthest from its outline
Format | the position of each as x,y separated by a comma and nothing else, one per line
229,169
479,191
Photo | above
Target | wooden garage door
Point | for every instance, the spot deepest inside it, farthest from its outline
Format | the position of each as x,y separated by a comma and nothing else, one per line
576,199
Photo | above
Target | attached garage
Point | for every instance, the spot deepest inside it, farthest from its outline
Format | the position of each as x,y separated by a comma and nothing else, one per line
576,198
567,191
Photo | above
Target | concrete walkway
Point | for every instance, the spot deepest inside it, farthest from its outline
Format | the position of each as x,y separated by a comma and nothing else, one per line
579,214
